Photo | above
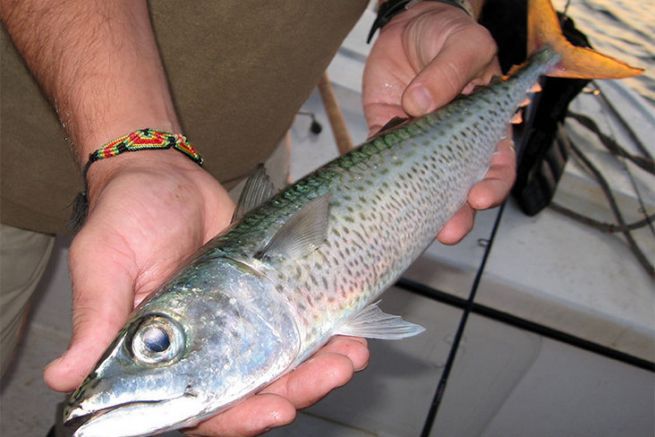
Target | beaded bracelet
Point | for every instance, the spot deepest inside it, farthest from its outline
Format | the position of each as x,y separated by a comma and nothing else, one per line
142,139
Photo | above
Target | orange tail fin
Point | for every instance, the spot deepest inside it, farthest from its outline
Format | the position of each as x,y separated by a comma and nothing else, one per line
577,62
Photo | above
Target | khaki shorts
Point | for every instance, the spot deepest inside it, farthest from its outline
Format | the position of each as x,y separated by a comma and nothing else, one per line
24,256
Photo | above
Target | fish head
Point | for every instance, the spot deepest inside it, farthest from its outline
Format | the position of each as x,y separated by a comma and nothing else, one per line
186,354
144,374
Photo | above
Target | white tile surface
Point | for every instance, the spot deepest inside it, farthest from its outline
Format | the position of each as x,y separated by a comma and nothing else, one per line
508,382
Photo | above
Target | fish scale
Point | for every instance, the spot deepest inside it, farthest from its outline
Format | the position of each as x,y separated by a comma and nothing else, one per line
389,198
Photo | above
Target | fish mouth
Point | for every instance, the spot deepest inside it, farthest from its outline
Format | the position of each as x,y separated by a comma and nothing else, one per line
75,418
133,419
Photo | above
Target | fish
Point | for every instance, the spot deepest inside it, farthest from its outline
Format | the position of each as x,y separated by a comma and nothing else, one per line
298,267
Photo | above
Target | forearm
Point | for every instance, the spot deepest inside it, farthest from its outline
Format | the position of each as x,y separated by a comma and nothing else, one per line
98,63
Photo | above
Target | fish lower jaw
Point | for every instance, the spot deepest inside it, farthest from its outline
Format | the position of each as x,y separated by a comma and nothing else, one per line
134,419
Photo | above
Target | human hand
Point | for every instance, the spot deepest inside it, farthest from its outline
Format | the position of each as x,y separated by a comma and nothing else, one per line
422,60
148,212
332,366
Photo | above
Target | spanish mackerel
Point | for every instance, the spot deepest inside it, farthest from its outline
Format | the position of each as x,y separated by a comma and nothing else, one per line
296,268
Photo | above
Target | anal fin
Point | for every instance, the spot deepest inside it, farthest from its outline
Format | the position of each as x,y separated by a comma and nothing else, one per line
372,322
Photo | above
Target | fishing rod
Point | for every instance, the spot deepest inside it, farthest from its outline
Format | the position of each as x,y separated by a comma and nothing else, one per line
468,308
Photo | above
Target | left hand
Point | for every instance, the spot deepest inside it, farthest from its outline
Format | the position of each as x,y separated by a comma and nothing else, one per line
423,59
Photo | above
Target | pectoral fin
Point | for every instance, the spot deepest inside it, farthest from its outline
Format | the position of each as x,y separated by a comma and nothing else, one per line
372,322
303,233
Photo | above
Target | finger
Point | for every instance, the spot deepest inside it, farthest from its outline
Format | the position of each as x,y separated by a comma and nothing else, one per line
355,348
457,64
314,379
498,181
102,301
458,226
275,406
253,416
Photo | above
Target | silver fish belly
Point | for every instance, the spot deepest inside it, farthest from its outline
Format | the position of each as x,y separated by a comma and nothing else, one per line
305,265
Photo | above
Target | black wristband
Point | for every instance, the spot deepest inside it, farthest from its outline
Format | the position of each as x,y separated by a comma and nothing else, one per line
391,8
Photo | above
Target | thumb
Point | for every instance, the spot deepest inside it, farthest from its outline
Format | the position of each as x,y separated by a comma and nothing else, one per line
103,298
462,59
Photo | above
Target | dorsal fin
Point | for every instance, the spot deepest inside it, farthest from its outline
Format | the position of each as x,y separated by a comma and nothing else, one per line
394,122
302,233
257,190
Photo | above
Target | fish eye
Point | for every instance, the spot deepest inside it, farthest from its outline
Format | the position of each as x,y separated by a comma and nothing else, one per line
157,339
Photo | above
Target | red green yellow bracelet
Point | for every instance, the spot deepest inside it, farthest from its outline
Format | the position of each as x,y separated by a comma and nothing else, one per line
142,139
145,139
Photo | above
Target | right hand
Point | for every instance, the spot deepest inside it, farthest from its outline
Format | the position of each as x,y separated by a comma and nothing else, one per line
422,60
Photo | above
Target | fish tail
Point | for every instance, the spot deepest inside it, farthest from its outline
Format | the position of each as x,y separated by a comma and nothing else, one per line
544,31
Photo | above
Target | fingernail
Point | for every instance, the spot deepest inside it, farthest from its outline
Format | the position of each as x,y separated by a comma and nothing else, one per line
421,99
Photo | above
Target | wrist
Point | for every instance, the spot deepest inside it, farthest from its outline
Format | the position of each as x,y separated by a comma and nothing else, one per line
140,140
161,162
398,11
155,179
